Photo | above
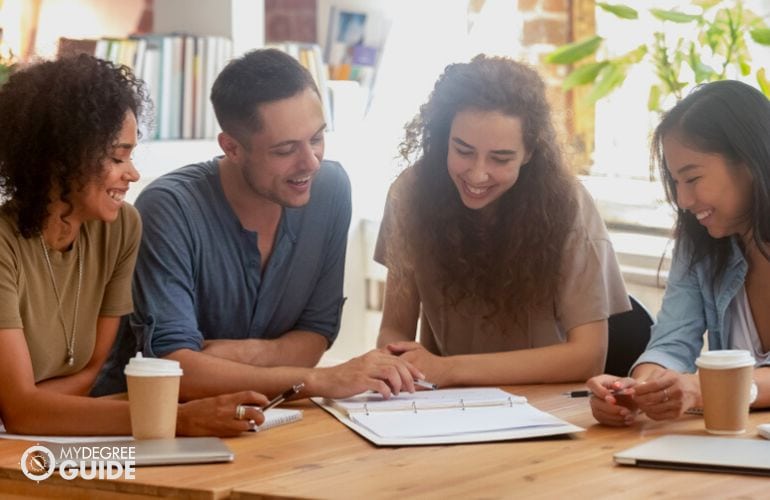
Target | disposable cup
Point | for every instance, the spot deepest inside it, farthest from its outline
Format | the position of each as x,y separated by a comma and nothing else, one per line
153,396
725,382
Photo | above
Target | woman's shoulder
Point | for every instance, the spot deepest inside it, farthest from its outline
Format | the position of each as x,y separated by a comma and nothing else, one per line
403,183
587,216
8,228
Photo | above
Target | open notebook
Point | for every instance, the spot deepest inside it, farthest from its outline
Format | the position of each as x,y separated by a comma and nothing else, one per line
279,416
444,416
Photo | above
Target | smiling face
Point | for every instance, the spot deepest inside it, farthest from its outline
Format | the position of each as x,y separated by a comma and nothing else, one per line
284,156
102,197
716,192
486,152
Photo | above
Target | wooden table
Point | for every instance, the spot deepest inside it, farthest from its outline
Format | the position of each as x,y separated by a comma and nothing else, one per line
321,458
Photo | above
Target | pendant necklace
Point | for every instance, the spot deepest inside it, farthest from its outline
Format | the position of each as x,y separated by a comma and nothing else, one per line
69,342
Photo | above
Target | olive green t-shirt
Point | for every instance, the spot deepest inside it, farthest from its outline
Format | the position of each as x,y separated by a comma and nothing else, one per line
28,301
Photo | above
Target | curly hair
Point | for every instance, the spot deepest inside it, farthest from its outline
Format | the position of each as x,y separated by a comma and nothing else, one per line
732,119
59,119
511,264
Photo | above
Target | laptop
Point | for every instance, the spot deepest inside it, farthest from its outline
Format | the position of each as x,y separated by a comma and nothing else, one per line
186,450
701,453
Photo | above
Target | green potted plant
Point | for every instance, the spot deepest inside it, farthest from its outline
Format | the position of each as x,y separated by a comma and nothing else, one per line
716,49
7,60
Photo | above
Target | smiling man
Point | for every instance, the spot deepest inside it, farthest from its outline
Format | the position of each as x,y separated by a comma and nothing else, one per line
240,271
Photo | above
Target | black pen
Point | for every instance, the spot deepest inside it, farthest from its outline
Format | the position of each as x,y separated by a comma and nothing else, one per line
283,396
584,393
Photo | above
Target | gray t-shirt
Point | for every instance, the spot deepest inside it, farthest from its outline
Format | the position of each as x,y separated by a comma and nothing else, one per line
591,288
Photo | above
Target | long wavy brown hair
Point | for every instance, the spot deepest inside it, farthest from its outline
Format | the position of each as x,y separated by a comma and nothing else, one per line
507,264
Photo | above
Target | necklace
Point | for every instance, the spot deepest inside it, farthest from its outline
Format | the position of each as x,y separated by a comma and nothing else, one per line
70,342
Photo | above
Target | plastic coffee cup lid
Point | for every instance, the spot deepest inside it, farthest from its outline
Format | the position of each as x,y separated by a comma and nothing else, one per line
725,359
140,366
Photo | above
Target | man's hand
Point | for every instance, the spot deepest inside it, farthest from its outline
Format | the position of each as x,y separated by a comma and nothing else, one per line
373,371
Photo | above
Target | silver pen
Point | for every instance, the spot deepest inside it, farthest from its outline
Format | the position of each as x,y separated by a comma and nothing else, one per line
426,384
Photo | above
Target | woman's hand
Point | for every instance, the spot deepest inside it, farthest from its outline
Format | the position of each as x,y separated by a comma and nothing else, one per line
218,416
435,368
612,401
668,394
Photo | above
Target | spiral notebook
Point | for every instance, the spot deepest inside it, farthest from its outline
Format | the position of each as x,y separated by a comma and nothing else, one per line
279,416
444,416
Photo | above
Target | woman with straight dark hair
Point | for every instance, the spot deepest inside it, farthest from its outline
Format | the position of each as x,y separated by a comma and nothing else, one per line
491,241
713,150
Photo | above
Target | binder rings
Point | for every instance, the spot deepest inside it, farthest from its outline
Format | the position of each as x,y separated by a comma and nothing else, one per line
444,416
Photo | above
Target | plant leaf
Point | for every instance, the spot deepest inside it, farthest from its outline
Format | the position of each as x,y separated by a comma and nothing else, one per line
583,75
610,78
761,35
701,71
745,67
706,4
634,56
573,52
621,11
673,16
653,101
764,84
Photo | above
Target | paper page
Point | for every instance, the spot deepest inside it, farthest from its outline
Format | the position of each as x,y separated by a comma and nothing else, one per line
441,398
452,422
279,416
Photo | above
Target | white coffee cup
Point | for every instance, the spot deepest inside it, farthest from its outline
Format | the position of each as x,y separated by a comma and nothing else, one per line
153,396
725,382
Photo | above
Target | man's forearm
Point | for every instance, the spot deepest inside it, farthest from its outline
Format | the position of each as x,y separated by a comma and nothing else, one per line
294,348
206,375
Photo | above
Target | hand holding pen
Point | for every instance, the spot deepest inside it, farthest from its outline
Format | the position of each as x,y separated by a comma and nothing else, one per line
612,402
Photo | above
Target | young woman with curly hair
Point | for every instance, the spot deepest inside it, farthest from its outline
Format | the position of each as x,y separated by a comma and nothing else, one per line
68,245
491,242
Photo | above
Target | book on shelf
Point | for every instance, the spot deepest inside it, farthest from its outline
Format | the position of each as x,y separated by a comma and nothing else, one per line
178,69
444,416
354,44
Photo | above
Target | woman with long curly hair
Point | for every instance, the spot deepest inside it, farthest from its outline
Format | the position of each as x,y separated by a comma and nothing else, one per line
491,243
68,245
713,152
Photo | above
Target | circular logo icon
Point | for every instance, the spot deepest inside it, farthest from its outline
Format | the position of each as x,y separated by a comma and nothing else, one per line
38,463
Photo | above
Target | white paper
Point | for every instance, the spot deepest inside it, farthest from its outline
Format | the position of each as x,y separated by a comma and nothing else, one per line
444,416
452,422
442,398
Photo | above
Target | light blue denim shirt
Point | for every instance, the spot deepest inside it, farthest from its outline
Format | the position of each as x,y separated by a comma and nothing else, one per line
692,305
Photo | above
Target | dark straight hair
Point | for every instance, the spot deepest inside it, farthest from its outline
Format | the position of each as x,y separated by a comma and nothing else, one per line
732,119
257,77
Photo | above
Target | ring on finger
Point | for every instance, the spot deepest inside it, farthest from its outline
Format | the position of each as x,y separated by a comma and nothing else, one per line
665,395
240,412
